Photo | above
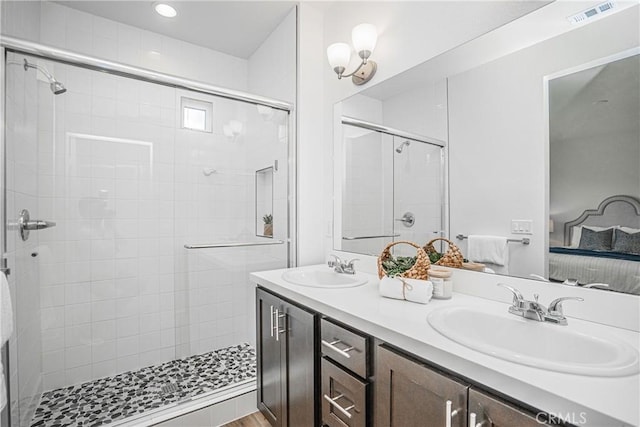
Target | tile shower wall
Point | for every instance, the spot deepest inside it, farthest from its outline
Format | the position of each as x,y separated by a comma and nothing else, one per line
128,189
215,203
105,176
82,32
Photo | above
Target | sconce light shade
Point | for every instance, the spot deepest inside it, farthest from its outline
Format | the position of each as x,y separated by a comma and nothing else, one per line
339,55
364,37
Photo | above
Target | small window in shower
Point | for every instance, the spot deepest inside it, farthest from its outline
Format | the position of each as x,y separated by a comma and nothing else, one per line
196,114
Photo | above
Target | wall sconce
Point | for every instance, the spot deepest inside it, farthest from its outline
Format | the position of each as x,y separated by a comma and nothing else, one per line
364,37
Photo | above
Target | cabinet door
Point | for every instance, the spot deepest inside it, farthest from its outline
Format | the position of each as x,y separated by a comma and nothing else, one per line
301,359
408,393
271,381
490,412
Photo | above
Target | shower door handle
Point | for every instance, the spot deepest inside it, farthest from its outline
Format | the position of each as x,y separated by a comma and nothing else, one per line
26,224
38,225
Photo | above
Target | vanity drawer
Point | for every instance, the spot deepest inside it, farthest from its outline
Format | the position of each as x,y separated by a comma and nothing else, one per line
344,397
344,346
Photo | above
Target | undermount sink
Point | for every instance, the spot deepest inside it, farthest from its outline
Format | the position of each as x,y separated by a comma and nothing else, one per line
536,344
323,278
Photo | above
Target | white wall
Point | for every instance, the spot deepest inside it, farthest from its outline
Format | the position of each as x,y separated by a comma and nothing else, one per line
315,171
272,67
498,165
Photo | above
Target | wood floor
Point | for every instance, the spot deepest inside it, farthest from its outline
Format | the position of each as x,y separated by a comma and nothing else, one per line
252,420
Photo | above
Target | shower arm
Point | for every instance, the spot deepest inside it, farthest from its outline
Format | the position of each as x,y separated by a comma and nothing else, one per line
43,70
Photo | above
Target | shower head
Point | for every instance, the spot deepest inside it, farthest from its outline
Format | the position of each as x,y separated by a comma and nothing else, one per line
56,87
401,146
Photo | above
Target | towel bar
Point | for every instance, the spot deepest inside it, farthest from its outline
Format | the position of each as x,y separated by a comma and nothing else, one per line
524,240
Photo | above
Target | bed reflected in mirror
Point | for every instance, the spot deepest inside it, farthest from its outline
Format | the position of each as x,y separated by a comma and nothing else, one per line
594,175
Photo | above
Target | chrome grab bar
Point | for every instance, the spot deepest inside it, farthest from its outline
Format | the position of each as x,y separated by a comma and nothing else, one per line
524,240
369,237
332,402
233,244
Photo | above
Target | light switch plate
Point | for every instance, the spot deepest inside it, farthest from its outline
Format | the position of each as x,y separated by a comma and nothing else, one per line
521,226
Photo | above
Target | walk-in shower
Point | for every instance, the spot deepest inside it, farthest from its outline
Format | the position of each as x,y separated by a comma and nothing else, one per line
138,298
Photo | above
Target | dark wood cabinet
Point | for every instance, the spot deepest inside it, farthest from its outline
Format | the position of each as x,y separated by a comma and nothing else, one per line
286,353
408,394
315,372
488,411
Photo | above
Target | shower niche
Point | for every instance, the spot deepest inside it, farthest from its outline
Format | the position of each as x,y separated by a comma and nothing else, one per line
264,202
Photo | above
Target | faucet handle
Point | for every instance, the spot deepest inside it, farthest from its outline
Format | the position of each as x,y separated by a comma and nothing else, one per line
555,307
336,262
517,296
350,262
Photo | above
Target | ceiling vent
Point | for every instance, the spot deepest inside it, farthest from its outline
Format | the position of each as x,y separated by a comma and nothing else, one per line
592,12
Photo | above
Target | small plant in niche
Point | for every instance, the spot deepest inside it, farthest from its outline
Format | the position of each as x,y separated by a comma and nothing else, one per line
268,224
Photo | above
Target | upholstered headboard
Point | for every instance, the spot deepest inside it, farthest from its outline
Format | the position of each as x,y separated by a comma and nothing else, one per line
615,210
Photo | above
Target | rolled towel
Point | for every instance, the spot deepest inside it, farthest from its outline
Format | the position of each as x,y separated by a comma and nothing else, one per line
413,290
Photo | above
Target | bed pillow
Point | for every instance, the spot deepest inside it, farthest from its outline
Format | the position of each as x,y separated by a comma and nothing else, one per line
577,233
596,240
626,242
630,230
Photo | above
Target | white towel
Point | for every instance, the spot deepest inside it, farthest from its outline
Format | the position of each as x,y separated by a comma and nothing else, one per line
413,290
6,329
491,249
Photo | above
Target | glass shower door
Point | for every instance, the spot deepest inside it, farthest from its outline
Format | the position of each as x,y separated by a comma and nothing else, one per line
231,219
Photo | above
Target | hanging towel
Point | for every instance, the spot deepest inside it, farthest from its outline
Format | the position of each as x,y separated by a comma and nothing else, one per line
413,290
492,249
6,329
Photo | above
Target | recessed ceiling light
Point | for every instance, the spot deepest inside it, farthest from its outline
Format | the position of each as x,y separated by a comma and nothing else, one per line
165,10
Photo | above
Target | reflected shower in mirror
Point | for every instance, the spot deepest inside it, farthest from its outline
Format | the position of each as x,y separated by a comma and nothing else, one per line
379,200
264,202
386,169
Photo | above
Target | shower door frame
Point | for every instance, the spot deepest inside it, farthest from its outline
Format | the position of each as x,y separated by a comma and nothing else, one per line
12,44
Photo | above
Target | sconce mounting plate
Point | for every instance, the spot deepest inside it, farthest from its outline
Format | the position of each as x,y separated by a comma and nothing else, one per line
365,73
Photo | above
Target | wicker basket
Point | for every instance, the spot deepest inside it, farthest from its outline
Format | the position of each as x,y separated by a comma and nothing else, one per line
419,270
452,258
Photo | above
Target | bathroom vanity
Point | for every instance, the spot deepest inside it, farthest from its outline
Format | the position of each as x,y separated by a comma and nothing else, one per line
346,356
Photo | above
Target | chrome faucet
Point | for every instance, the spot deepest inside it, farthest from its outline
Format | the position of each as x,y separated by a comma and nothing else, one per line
536,311
340,266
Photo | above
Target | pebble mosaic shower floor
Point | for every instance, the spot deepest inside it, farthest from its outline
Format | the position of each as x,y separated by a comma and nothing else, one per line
106,400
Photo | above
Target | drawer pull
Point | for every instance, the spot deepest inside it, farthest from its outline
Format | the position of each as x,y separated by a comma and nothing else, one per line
271,321
341,352
332,402
277,329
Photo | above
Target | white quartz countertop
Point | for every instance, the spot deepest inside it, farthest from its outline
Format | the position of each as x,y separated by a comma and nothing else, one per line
581,400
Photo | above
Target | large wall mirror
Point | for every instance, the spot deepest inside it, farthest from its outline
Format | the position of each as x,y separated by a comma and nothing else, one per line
539,120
